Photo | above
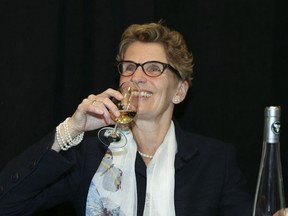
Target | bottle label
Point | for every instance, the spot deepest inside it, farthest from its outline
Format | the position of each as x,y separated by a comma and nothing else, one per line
276,127
272,124
272,133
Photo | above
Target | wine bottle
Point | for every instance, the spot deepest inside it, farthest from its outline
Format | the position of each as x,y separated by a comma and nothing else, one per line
269,197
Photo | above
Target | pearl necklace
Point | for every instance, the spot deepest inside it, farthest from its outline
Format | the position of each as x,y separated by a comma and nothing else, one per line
145,155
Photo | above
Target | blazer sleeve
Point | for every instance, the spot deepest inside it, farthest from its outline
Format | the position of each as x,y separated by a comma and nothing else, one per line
235,199
35,179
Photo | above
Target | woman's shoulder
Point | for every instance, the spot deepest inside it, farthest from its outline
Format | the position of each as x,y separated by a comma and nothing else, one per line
201,140
189,141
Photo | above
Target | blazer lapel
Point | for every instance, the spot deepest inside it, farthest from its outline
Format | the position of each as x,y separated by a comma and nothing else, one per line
185,148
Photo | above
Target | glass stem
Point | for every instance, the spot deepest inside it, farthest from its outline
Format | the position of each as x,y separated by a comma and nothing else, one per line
115,128
115,135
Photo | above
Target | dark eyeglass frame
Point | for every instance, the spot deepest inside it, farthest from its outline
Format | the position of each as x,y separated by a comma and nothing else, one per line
165,65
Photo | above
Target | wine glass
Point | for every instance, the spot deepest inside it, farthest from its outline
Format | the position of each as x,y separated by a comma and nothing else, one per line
128,106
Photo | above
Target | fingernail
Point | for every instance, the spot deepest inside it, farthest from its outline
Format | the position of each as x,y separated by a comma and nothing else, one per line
117,113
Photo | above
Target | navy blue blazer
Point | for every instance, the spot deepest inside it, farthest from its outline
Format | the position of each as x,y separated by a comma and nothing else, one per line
208,181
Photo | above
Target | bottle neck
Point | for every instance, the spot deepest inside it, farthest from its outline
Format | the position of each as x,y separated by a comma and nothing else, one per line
272,125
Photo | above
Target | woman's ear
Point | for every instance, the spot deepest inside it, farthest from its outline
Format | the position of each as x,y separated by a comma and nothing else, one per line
181,92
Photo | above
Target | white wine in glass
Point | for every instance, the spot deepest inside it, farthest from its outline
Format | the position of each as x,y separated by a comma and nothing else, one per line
126,116
128,107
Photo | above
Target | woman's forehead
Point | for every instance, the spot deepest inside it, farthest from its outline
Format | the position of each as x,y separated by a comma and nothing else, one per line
145,51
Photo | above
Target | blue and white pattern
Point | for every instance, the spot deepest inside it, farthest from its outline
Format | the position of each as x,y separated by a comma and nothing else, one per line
112,191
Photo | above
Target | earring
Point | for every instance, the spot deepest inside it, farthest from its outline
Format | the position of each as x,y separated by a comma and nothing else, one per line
176,100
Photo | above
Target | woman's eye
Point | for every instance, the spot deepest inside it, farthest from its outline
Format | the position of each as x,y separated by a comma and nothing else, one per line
130,67
154,68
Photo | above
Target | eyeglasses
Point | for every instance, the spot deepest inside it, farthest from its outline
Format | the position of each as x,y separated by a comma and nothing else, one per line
150,68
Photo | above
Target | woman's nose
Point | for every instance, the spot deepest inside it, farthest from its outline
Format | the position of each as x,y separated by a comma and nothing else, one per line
139,75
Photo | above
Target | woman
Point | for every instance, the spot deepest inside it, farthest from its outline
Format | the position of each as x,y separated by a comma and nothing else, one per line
163,170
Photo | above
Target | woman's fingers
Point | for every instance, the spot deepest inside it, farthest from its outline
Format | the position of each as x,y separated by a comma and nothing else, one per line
93,112
103,102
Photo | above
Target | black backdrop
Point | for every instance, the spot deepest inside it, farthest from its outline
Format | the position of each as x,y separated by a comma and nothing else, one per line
55,53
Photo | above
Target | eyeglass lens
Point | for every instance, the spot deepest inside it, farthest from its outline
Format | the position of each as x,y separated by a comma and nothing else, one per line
150,68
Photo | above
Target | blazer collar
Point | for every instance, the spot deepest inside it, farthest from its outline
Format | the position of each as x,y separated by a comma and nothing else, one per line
186,150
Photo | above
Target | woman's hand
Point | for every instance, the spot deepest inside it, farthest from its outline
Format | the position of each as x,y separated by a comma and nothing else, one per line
282,212
93,112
